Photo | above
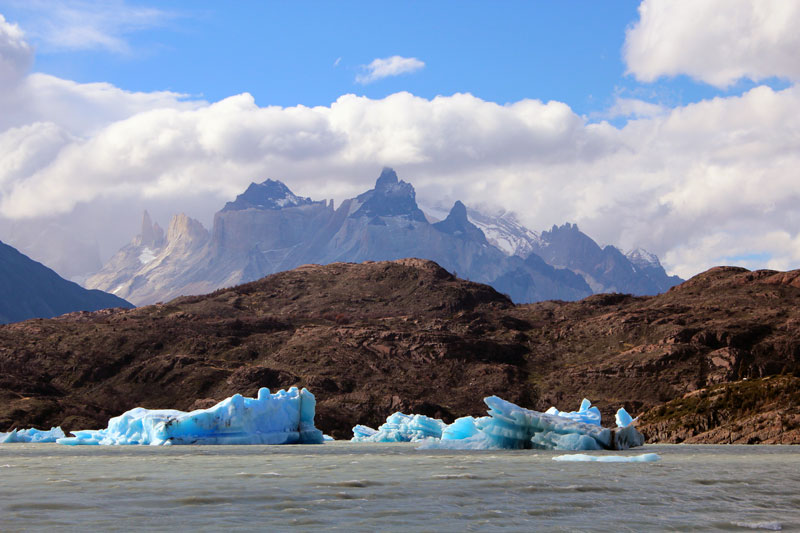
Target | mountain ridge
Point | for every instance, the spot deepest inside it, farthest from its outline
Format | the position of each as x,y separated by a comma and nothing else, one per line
268,229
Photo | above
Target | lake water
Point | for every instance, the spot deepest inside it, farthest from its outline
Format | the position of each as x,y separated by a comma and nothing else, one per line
393,487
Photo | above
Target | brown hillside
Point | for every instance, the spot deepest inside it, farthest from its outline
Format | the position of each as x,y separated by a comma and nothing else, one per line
369,339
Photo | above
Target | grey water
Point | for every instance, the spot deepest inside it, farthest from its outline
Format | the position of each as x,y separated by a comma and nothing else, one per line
393,487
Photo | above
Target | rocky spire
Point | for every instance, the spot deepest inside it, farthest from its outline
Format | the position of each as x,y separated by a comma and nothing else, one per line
390,198
151,235
458,225
387,178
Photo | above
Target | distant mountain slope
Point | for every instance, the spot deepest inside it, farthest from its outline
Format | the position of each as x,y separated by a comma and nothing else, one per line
604,269
31,290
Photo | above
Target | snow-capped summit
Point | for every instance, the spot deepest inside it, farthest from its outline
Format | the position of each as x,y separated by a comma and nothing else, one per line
390,198
641,258
270,194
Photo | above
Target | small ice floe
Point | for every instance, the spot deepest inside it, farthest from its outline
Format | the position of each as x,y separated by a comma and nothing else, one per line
582,457
31,435
769,526
400,427
285,417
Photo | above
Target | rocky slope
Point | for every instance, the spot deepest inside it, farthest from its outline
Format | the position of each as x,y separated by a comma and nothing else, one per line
370,339
29,289
269,229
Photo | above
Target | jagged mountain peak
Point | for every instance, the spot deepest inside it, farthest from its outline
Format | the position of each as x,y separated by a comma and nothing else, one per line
458,225
185,228
641,258
151,235
269,194
391,197
387,178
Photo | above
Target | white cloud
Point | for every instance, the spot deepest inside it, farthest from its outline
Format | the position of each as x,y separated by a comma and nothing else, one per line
87,25
387,67
16,55
715,41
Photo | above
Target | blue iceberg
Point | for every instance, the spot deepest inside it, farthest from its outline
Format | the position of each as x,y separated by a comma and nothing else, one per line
582,457
510,426
31,435
400,427
285,417
623,419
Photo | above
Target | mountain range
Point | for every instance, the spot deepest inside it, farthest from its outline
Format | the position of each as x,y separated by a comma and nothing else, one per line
29,289
269,229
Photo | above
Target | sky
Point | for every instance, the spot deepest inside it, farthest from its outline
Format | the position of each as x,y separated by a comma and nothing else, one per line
671,125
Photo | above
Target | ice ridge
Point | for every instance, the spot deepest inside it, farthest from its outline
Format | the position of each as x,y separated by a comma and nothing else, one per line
31,435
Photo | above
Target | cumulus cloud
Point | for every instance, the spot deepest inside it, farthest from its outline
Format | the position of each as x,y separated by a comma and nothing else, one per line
715,41
388,67
16,55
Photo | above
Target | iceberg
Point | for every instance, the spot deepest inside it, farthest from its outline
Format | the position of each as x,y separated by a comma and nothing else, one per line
623,419
31,435
585,413
580,457
510,426
400,427
285,417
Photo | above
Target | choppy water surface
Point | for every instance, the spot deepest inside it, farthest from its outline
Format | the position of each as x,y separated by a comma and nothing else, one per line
393,487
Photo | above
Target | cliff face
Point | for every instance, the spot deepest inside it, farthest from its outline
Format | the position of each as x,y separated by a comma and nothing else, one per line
369,339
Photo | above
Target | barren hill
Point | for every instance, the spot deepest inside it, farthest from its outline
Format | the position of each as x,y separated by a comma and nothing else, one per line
369,339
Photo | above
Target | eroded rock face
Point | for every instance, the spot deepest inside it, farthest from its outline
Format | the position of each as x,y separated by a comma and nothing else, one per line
374,338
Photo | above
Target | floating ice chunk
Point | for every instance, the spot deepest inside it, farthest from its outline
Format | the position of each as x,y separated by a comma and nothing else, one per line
585,413
327,438
286,417
623,418
361,433
508,426
463,428
643,458
31,435
400,427
770,526
512,427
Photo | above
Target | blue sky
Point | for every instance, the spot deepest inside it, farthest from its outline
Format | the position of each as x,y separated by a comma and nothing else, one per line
309,53
672,125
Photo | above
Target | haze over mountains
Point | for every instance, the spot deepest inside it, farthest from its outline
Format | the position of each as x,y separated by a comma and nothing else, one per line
269,229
